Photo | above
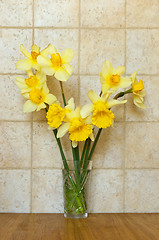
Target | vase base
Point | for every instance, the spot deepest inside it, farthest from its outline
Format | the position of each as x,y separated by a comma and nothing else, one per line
75,216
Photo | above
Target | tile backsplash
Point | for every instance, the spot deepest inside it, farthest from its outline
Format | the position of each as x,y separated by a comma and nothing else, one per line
125,175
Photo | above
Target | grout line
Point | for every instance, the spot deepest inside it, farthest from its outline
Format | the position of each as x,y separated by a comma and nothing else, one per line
79,46
56,168
116,121
84,74
76,28
124,140
31,170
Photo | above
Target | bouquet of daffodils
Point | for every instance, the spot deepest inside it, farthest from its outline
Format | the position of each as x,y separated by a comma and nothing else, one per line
79,122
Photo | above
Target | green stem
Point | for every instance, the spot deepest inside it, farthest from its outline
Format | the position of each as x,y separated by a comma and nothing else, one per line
121,94
63,95
95,143
86,159
83,152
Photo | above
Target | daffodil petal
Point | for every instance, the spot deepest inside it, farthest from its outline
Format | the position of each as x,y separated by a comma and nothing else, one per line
107,68
29,72
20,82
91,136
40,106
67,55
35,48
62,75
114,102
24,64
86,110
125,82
44,61
93,96
48,71
29,106
68,68
71,104
63,130
50,49
45,88
50,98
74,144
119,70
24,51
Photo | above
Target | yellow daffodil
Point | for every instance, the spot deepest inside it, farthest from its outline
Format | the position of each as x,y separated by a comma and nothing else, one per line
58,65
38,98
137,89
31,58
79,128
102,117
55,115
111,78
33,81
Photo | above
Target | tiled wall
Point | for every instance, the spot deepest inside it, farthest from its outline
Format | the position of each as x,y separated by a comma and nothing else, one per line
125,175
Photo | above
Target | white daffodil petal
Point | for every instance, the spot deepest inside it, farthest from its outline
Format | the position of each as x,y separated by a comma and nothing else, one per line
140,105
29,106
63,130
86,110
93,96
45,88
50,98
44,61
107,68
125,82
67,55
40,106
119,70
24,64
71,104
35,48
114,102
74,144
25,94
61,75
68,68
24,51
41,76
50,49
20,80
30,72
91,136
48,71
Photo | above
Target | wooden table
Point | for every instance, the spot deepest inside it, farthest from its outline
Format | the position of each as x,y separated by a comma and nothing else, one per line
95,227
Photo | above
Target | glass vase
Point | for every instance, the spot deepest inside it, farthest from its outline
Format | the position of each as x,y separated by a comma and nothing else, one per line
75,189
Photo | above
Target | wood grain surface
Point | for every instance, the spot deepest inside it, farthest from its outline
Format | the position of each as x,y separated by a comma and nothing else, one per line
121,226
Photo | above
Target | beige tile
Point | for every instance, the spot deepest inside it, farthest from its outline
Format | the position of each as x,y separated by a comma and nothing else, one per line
142,145
151,101
10,40
15,191
47,194
45,148
141,13
109,152
61,39
142,191
15,145
16,13
93,82
98,46
143,51
11,100
102,13
56,13
106,191
70,89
